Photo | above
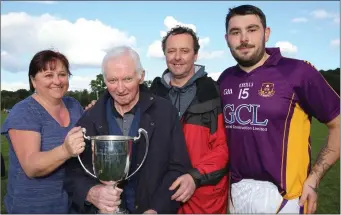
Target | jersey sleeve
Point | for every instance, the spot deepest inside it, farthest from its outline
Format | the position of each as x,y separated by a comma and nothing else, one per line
315,95
21,117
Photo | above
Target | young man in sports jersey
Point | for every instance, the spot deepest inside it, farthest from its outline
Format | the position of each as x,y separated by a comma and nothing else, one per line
268,104
204,189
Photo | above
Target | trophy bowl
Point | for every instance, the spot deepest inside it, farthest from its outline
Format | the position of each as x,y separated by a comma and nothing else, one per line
111,157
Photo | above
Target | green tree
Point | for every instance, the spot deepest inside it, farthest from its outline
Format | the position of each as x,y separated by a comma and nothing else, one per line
10,98
22,93
98,86
332,76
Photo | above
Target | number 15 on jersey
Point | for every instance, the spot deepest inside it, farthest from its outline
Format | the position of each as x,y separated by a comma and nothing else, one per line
243,93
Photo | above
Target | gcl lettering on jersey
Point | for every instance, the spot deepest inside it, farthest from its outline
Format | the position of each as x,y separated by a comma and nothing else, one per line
232,115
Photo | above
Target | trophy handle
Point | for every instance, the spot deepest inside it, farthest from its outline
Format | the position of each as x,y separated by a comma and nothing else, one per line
79,159
145,134
85,137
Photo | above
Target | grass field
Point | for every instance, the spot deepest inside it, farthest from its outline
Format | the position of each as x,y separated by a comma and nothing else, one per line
329,194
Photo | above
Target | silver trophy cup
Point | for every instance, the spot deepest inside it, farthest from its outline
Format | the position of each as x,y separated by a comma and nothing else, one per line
111,158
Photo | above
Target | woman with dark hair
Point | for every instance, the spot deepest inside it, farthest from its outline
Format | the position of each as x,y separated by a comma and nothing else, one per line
41,134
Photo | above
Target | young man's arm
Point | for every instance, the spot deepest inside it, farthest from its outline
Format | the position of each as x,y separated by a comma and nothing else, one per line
319,100
330,152
326,158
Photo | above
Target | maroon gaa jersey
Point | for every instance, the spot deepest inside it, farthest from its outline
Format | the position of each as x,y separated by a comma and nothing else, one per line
267,114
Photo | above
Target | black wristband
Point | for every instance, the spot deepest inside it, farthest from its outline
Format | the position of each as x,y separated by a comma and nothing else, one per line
196,176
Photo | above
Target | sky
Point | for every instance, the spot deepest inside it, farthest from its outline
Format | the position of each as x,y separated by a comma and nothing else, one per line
84,30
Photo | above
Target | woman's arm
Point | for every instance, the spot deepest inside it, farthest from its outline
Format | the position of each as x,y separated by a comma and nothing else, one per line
34,162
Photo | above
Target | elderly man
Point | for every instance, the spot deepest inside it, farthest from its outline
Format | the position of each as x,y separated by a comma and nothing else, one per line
124,108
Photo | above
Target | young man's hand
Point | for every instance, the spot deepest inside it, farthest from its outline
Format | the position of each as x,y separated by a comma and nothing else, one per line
309,193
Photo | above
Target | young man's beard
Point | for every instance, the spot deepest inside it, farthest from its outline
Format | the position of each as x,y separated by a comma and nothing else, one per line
253,60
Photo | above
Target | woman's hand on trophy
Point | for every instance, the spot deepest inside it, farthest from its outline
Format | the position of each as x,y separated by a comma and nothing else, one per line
74,142
105,197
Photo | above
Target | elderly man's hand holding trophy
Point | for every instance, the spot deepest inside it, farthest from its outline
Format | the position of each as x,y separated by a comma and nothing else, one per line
111,158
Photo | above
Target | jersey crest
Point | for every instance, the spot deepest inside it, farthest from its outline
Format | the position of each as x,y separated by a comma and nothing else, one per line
267,90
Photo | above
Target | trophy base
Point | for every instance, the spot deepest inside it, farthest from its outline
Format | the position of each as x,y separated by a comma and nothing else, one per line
118,211
121,211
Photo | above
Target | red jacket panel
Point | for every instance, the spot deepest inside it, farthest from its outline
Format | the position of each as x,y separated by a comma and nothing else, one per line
208,153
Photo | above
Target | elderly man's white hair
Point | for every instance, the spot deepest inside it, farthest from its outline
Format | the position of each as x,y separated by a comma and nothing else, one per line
119,51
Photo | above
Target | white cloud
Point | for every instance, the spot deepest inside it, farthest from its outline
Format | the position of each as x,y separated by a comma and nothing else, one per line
14,86
214,75
286,47
84,42
42,2
163,33
299,19
203,54
81,82
335,43
204,42
12,63
323,14
3,53
155,48
170,22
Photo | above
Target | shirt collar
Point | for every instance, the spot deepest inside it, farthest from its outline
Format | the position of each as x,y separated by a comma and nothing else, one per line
116,113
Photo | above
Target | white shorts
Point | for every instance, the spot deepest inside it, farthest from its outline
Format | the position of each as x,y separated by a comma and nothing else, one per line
251,196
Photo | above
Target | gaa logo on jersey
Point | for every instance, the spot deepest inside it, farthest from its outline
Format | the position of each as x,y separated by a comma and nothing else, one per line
267,90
